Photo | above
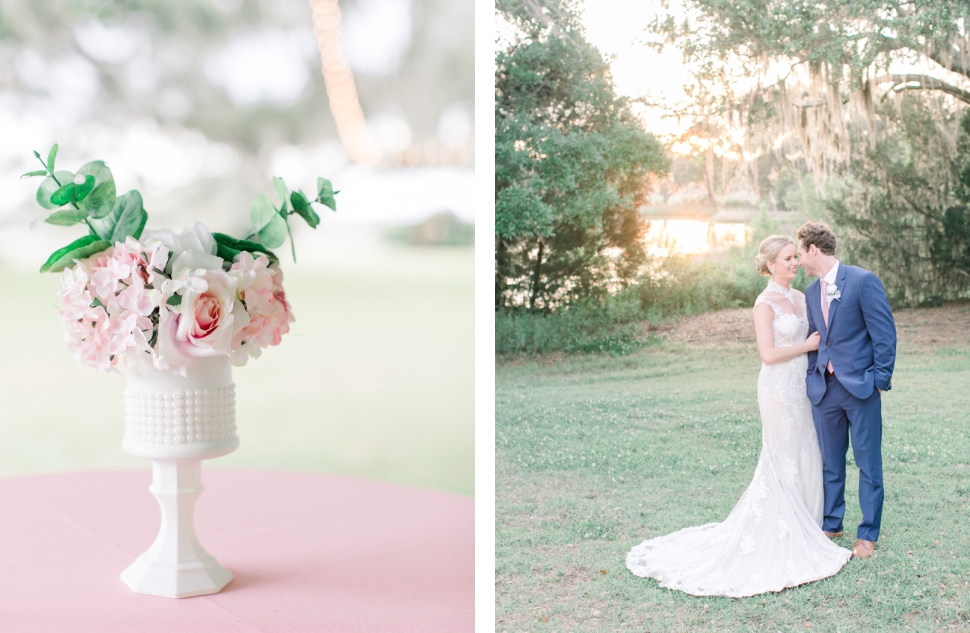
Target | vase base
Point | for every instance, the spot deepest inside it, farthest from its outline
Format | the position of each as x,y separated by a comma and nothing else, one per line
184,580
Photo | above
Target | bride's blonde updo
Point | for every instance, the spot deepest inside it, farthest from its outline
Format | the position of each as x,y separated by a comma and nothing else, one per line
768,251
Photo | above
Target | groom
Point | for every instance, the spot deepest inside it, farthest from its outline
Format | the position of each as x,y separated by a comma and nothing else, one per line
848,307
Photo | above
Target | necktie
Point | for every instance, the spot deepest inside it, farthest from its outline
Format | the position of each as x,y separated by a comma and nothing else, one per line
825,313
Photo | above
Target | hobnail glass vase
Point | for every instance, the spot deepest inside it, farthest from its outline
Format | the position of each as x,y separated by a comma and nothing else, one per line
176,422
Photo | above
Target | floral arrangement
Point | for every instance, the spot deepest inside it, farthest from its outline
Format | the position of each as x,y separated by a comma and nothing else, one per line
178,297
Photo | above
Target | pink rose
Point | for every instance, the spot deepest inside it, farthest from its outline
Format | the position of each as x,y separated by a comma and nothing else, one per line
203,323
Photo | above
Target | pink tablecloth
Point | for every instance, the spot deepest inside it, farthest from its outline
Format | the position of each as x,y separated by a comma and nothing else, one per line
309,553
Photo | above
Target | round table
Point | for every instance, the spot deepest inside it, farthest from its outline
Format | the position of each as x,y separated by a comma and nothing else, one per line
308,553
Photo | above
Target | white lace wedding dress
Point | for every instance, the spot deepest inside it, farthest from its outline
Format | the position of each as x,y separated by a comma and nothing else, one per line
773,538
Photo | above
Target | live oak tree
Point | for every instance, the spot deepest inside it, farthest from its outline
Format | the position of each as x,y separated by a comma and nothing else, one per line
817,70
572,165
868,93
909,218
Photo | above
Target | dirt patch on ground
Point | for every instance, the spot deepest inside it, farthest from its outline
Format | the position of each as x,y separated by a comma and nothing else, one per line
711,328
943,327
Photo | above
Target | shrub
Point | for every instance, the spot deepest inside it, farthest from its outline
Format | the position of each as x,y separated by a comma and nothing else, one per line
609,325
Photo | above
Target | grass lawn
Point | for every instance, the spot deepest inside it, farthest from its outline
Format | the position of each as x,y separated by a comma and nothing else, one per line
596,453
375,378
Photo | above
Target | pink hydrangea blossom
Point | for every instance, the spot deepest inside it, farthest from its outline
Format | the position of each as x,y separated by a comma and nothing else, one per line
261,292
106,306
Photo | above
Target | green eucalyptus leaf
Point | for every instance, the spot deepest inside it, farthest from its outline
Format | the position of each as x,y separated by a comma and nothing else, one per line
229,247
78,249
50,158
83,190
325,193
273,233
50,185
31,174
174,300
66,217
262,212
132,222
282,192
64,195
303,208
226,253
127,217
101,200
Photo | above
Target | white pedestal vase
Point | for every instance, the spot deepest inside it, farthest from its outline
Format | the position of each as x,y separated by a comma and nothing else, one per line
177,422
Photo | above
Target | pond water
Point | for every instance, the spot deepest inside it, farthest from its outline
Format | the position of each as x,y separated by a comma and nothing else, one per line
692,237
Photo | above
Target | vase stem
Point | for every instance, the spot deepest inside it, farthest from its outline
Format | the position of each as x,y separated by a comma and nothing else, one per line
176,565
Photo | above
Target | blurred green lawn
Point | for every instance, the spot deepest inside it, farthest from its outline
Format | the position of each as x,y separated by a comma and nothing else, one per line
375,378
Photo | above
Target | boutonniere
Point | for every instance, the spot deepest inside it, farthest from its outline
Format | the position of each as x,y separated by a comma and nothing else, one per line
833,292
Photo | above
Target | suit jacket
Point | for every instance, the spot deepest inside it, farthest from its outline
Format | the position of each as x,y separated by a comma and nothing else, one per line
860,338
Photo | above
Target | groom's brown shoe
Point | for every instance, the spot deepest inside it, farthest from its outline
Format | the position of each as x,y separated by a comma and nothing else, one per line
833,534
863,548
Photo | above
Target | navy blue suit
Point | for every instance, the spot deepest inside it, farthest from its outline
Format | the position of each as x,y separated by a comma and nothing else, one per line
860,340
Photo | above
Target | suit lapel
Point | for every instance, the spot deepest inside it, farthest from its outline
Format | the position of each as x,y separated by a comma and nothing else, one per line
818,318
840,284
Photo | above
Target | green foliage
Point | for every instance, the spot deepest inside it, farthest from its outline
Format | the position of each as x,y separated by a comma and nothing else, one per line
282,192
81,191
64,195
111,218
73,193
610,324
673,287
126,218
102,199
78,249
325,193
850,36
683,286
571,166
269,223
66,217
908,217
51,155
302,208
50,185
229,247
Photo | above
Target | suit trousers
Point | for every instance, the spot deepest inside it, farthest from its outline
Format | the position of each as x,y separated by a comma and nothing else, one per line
838,416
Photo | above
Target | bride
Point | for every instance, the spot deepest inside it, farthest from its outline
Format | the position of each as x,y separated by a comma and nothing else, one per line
773,538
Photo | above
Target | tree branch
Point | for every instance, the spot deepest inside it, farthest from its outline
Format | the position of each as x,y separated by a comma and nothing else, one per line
950,64
917,208
923,82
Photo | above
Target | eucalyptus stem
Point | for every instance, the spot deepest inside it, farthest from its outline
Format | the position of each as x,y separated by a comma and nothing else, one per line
292,243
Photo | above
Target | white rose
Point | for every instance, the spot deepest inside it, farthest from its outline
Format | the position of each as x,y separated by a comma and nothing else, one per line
193,248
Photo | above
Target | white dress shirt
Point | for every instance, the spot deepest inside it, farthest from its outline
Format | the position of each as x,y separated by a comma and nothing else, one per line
830,279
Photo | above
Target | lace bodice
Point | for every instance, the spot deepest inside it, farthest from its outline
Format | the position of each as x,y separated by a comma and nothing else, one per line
790,325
